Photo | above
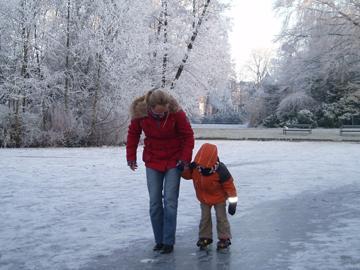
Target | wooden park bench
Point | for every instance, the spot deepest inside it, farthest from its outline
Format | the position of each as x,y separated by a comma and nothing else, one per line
349,128
297,128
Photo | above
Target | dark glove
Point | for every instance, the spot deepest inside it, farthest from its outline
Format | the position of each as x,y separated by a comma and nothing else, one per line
192,165
232,208
132,164
180,165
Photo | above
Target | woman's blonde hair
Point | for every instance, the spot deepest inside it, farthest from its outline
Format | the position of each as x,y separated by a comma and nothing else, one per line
140,106
157,97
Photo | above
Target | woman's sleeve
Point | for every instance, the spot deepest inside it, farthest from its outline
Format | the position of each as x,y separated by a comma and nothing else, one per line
133,137
187,134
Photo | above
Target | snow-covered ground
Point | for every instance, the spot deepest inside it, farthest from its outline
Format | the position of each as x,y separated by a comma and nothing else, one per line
219,126
60,208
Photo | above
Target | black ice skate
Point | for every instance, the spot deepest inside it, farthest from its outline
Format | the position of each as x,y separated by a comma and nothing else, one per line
202,243
223,244
158,247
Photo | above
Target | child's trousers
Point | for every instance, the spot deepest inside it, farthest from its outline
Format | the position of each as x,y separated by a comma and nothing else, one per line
222,223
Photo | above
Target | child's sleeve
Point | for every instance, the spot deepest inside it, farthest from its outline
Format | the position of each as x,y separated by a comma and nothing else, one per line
227,181
187,173
230,188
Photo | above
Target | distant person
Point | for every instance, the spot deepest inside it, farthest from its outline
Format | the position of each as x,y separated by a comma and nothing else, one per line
213,185
168,145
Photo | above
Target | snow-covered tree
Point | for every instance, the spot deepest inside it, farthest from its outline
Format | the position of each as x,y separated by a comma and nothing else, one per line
320,50
69,69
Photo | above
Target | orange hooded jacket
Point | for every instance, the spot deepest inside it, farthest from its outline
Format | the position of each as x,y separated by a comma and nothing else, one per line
216,187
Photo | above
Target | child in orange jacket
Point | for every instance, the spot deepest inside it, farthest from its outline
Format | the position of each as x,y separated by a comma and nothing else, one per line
213,185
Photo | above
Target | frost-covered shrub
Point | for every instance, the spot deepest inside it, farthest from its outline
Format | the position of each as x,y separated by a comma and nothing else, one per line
271,121
31,130
306,117
25,129
301,117
256,111
223,118
5,124
11,128
65,129
342,112
289,122
289,108
196,119
346,118
293,103
326,116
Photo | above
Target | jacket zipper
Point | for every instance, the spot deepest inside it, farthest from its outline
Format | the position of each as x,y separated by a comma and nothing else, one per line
158,122
167,115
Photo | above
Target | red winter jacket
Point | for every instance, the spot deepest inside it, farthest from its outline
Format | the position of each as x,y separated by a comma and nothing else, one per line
167,140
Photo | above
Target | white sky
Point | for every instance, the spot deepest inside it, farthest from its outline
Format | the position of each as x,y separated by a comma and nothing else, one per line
254,27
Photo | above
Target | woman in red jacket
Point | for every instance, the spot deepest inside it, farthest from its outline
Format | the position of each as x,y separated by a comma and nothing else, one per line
168,145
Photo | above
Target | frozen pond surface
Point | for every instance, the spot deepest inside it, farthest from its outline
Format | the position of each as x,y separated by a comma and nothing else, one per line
83,208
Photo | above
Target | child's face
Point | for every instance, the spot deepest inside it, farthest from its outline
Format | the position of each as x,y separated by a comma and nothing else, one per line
205,171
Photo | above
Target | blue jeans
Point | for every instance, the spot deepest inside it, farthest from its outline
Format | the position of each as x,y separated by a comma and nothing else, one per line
163,192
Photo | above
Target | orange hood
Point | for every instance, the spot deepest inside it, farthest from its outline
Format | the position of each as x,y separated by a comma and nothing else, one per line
207,156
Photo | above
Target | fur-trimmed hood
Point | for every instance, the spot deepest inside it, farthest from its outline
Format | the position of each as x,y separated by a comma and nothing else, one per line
139,108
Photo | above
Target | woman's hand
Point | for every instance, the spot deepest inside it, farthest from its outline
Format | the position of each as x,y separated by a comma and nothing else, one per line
181,165
133,165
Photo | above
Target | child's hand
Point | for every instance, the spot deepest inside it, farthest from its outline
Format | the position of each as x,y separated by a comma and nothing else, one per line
232,205
232,208
181,165
192,165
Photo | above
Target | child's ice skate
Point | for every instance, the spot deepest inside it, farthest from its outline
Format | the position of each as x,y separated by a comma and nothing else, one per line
202,243
223,244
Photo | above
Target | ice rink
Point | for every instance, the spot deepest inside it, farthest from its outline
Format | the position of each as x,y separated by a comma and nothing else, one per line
82,208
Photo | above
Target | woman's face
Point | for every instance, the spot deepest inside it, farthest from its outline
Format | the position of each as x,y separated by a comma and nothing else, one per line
160,110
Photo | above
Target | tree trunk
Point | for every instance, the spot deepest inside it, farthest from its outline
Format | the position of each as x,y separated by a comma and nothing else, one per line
23,103
155,40
190,45
194,15
165,57
43,112
93,135
25,61
37,54
25,39
17,131
67,69
158,24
